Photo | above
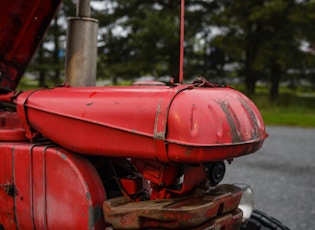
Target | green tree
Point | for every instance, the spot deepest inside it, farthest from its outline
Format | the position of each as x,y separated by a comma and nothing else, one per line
263,37
306,33
49,58
281,51
142,37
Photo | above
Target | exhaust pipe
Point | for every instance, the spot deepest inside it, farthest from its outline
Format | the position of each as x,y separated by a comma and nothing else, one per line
81,47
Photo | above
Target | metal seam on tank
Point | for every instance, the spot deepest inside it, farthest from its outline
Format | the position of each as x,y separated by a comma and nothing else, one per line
156,134
162,135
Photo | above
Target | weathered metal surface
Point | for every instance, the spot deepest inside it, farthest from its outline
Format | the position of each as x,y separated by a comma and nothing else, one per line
54,189
182,213
6,178
83,8
231,221
181,124
22,25
81,53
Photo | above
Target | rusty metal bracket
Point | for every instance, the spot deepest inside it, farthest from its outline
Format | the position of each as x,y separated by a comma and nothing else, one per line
214,208
160,123
202,82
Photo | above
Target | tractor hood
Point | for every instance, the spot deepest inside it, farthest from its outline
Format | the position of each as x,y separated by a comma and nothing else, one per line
22,26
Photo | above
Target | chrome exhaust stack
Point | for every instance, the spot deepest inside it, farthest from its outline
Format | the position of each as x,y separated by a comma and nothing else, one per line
81,54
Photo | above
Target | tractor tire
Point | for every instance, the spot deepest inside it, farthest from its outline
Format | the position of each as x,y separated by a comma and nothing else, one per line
261,221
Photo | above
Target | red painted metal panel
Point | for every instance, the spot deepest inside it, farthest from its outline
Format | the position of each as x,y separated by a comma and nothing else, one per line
6,177
216,116
55,189
75,193
22,25
139,122
23,181
121,120
39,187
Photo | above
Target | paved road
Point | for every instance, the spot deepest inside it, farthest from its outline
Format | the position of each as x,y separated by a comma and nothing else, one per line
282,174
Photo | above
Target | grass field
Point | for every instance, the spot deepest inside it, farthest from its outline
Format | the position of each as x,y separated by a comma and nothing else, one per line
289,119
292,108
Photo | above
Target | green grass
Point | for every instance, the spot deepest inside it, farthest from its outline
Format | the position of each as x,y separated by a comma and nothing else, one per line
289,119
29,84
290,109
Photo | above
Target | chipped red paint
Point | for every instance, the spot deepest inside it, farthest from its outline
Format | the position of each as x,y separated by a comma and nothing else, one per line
54,189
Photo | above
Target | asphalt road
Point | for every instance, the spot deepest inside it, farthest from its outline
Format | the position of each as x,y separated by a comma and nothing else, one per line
282,174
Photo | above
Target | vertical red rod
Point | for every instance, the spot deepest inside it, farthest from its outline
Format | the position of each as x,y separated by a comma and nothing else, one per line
181,54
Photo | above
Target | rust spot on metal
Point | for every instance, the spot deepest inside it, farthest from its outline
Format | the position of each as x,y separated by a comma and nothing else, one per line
88,196
64,156
134,131
95,214
252,118
179,213
158,135
230,116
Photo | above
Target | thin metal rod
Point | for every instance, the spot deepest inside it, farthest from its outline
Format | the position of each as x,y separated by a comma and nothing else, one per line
182,32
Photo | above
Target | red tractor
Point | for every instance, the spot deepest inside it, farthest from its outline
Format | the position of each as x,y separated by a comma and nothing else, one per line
147,156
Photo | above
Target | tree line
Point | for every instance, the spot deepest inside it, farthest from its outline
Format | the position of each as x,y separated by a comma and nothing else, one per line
266,40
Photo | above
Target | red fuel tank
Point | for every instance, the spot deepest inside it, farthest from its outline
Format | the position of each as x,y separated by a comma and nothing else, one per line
181,124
